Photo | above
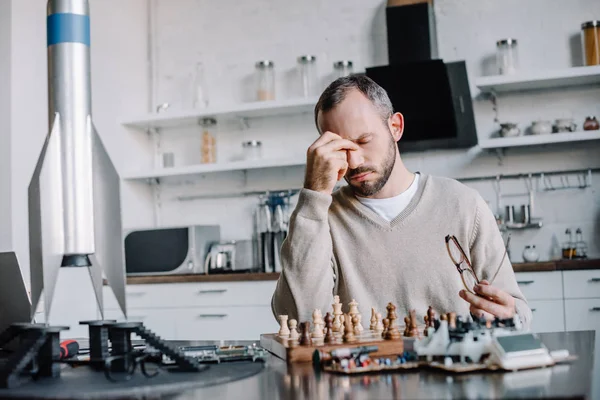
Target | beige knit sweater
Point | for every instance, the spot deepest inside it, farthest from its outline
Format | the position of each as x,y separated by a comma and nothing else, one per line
336,245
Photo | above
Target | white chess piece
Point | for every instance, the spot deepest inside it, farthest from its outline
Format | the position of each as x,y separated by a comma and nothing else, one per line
284,331
379,324
358,328
317,324
373,325
337,313
353,308
293,331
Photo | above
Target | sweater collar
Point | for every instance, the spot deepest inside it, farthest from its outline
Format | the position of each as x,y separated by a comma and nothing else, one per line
377,219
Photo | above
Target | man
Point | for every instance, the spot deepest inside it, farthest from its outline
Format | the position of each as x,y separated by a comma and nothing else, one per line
381,238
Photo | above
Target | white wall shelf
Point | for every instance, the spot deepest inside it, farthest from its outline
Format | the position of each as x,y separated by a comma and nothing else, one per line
575,76
190,170
178,118
533,140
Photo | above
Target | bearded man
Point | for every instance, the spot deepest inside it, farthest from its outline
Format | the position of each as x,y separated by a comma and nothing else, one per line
389,235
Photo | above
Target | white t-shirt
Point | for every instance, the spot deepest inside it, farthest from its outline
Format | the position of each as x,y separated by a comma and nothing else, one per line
391,207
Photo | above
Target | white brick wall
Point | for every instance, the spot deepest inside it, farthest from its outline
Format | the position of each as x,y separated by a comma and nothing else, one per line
229,37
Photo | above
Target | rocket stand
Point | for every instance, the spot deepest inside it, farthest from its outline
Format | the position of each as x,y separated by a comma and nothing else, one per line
37,352
120,337
99,335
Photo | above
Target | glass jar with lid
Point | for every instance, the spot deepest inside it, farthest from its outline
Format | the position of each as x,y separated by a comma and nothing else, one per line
507,56
342,68
590,41
208,150
307,71
265,80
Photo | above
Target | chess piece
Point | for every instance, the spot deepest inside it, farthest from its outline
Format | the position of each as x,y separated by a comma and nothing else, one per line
305,339
294,335
283,330
392,332
386,325
353,308
426,320
379,325
358,328
337,312
329,338
414,331
431,317
452,320
348,330
373,325
406,326
443,317
317,332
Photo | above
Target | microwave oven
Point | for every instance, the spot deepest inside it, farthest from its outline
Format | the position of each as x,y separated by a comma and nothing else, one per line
169,251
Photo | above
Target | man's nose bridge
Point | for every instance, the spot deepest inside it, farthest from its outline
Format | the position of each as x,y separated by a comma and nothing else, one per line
355,158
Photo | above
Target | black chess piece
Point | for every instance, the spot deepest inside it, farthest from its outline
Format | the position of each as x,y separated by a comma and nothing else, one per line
305,339
329,338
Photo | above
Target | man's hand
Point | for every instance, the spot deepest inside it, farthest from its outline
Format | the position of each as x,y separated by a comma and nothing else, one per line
490,301
327,162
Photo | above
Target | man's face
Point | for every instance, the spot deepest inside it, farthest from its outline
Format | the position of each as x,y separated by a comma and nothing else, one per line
358,120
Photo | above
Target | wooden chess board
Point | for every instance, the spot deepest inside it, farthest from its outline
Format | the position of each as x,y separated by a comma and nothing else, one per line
292,352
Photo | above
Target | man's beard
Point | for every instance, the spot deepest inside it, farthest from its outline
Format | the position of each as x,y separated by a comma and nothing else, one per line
369,188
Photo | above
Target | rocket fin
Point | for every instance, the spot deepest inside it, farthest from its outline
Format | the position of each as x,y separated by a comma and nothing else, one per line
107,219
46,226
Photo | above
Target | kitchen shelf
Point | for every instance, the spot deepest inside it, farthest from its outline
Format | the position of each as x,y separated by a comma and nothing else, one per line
533,140
575,76
178,118
212,168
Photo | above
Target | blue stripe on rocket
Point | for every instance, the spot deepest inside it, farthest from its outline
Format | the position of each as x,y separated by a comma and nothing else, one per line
68,28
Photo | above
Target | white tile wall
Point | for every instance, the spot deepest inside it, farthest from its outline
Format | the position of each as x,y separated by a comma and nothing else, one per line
5,118
228,37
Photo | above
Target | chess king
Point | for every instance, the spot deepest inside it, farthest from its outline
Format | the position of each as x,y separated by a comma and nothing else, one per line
383,237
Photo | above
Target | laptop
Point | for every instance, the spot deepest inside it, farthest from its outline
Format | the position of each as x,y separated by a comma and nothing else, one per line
15,305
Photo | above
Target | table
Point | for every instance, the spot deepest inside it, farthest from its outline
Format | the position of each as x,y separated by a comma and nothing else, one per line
578,380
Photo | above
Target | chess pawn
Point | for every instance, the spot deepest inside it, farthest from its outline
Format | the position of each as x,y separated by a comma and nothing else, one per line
348,330
414,331
283,330
329,338
452,320
294,335
431,317
426,320
379,325
317,332
386,325
305,339
406,326
373,325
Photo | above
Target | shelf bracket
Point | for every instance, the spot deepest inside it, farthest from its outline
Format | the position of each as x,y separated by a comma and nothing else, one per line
244,124
500,155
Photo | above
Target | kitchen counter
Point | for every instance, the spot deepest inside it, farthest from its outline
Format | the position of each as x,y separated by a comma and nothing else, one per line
561,265
300,381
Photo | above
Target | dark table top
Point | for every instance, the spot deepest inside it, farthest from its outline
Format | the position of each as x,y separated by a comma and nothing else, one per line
579,379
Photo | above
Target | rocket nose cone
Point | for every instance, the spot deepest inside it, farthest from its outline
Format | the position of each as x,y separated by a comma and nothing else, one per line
81,7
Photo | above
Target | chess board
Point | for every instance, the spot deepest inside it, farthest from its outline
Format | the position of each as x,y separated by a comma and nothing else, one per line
292,352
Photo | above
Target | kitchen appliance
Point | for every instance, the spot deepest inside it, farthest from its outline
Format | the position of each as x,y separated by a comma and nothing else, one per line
271,224
435,99
169,251
231,256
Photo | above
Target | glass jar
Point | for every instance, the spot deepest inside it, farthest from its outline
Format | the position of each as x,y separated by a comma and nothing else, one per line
252,150
208,151
265,80
590,42
591,124
568,247
342,68
507,57
307,70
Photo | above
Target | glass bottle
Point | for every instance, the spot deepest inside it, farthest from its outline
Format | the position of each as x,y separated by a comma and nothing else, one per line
342,68
208,151
307,68
580,245
200,95
590,42
507,57
568,248
265,80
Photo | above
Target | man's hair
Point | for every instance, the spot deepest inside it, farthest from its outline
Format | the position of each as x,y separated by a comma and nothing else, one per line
337,90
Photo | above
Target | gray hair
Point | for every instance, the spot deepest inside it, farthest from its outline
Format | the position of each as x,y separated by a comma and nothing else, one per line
337,90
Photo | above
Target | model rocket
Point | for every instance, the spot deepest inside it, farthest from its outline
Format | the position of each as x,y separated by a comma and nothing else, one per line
74,194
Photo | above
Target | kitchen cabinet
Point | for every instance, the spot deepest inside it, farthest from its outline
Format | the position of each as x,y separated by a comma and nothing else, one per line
199,311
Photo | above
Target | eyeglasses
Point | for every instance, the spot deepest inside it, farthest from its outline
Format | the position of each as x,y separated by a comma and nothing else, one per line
463,264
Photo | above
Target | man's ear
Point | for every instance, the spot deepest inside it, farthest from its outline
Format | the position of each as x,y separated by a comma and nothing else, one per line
396,125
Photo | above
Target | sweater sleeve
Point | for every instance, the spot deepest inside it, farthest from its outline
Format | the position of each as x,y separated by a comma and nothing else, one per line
487,249
308,269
